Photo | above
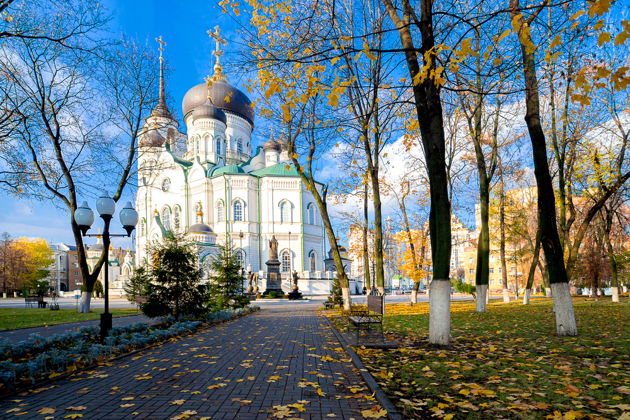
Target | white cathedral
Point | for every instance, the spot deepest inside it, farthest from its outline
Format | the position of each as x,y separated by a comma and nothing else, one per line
208,184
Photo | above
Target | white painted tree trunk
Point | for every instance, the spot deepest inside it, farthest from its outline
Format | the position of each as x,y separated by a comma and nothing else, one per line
548,291
563,307
345,296
84,303
440,312
625,289
487,297
381,290
615,294
414,296
506,296
526,296
482,298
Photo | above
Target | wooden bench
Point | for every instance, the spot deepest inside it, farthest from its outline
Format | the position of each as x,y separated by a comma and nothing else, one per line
30,300
329,305
372,317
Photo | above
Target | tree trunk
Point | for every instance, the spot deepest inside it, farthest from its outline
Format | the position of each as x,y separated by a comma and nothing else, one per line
379,271
563,308
482,297
526,296
532,271
84,303
440,312
554,256
504,276
345,296
614,269
414,296
366,249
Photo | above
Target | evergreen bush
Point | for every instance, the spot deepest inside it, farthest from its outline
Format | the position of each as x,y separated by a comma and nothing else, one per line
226,285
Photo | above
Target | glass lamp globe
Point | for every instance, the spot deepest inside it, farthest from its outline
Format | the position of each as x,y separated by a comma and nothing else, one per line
105,206
128,217
84,216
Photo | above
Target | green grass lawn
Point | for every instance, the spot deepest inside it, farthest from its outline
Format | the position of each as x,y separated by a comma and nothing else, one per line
508,362
12,318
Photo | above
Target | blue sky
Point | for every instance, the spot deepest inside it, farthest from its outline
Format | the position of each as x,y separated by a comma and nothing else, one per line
183,25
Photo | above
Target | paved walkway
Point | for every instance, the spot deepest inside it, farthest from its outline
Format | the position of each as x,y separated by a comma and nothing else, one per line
285,357
23,333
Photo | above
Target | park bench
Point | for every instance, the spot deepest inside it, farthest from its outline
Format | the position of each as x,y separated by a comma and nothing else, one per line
363,319
30,300
329,305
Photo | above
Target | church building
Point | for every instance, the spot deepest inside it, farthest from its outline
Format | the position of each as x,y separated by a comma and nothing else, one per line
212,184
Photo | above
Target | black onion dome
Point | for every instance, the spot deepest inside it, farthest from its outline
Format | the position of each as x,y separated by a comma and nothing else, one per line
152,138
224,96
208,110
200,228
271,144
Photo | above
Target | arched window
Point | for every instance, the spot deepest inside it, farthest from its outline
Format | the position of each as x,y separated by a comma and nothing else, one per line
239,145
310,212
238,211
177,214
285,211
166,218
240,257
286,261
312,259
220,211
218,145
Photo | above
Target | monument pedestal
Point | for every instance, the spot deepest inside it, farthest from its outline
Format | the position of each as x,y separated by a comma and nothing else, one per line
274,280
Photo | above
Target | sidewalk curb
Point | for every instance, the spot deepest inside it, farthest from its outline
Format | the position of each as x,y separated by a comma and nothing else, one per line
381,397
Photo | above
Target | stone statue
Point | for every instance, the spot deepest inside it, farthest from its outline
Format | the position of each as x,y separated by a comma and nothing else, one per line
273,248
295,278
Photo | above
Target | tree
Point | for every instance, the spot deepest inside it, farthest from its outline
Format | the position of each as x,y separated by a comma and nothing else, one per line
226,285
174,275
426,91
65,143
137,287
563,306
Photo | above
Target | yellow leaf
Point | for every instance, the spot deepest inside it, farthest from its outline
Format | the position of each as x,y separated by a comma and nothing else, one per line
572,415
77,408
177,402
599,7
375,412
127,405
46,410
73,416
603,38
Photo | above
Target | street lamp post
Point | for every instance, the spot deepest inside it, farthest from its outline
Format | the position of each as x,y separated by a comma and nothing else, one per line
84,216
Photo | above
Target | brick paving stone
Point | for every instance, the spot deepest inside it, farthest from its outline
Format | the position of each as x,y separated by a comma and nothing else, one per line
238,370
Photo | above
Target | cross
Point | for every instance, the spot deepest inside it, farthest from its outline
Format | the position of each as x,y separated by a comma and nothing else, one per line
216,35
161,47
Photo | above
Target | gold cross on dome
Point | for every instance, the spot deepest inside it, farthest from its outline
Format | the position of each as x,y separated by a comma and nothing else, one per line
218,52
161,47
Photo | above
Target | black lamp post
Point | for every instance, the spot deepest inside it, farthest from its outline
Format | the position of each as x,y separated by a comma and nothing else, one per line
84,216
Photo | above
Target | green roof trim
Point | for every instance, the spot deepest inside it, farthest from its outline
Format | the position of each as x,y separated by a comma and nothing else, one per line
176,159
281,169
227,169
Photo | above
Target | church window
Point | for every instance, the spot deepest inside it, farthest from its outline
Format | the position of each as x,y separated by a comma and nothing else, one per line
285,212
310,211
166,218
177,214
239,145
220,212
286,261
312,259
238,211
240,257
218,146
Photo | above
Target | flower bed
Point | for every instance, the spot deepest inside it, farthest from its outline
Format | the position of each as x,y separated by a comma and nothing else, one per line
41,358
